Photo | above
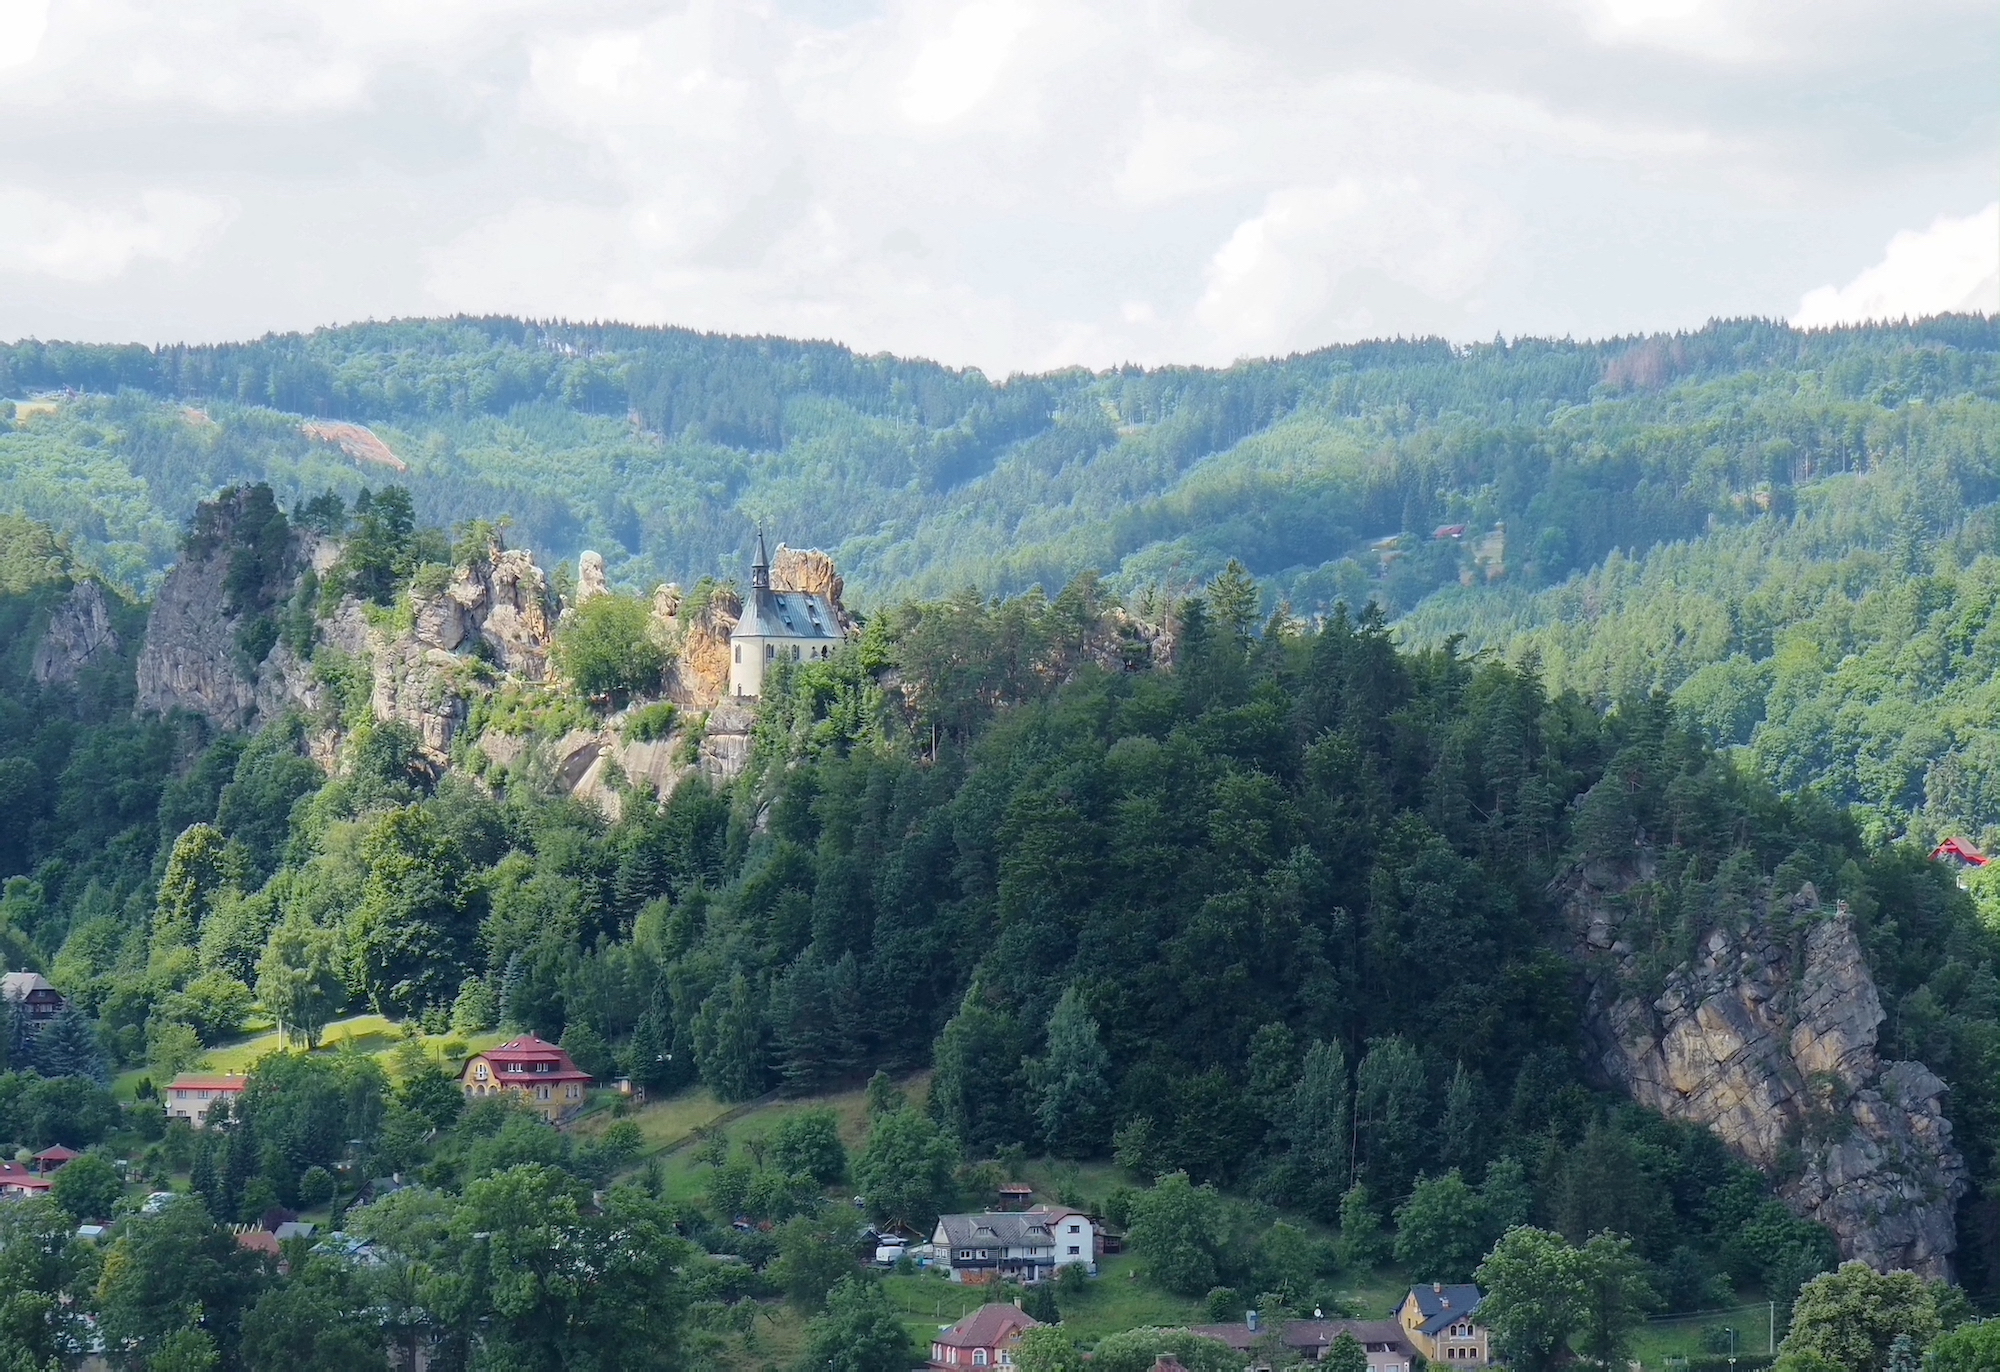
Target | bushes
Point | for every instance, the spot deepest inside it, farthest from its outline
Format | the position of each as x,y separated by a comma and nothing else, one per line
605,647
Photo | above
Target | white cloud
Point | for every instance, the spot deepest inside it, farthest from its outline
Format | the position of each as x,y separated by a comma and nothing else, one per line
1951,267
45,236
22,24
1278,282
962,65
1011,183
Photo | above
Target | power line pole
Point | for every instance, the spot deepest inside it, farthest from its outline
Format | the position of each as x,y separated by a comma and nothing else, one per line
1773,1312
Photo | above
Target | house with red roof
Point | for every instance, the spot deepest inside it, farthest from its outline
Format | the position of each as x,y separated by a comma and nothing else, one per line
190,1096
16,1179
537,1071
985,1338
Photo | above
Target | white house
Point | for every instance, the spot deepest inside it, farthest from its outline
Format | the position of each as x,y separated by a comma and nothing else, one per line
1023,1246
796,626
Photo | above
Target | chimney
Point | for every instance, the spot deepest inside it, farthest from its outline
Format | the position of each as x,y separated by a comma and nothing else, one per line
1017,1303
1437,1287
1250,1318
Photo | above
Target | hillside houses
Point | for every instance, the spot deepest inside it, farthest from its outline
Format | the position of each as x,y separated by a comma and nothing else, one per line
1024,1246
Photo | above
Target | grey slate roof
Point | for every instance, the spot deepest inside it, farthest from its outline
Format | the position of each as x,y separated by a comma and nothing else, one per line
1023,1229
1440,1307
787,614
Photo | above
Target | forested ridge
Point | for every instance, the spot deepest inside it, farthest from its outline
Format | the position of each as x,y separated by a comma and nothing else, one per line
1281,916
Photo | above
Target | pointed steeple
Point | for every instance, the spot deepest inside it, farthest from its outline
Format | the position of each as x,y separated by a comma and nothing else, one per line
760,570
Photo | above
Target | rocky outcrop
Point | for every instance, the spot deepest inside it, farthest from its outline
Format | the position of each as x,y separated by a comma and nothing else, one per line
590,581
1768,1038
190,660
80,634
498,608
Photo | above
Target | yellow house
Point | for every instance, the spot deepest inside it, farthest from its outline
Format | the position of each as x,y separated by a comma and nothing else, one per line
537,1071
1440,1321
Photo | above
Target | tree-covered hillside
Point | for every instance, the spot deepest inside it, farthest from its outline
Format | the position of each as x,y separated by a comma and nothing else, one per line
664,449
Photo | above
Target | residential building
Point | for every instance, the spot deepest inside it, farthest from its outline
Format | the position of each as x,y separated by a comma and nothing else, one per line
38,999
539,1072
1439,1319
1388,1348
1023,1246
17,1179
794,626
191,1096
985,1338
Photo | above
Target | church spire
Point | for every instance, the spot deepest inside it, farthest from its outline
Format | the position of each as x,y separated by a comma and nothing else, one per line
760,570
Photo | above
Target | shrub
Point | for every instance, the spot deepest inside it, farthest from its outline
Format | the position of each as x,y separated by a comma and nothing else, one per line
605,647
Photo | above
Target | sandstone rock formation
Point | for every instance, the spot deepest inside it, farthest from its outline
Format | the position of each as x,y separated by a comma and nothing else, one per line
1768,1039
590,580
80,634
190,660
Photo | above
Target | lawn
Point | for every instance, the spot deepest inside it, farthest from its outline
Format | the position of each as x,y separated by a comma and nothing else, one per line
375,1035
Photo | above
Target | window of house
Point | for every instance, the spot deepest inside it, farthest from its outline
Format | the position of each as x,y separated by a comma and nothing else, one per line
739,652
1076,1229
770,652
979,1357
1072,1249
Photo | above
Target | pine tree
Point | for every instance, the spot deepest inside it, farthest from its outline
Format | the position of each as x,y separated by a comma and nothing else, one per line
1072,1098
1317,1127
67,1047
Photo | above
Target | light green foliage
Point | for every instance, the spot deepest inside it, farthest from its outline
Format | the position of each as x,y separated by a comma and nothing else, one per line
1535,1296
198,867
1441,1230
1968,1348
1345,1354
905,1169
172,1048
1178,1228
297,980
88,1187
650,723
1135,1350
159,1270
1852,1316
1363,1240
605,646
1049,1350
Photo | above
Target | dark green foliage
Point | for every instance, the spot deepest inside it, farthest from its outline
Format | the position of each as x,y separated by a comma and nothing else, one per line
905,1170
808,1141
860,1332
168,1270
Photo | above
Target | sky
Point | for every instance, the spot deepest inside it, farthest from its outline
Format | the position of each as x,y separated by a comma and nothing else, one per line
1009,184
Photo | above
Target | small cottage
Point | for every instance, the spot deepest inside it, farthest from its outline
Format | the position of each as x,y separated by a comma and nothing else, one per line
191,1096
985,1338
35,996
538,1072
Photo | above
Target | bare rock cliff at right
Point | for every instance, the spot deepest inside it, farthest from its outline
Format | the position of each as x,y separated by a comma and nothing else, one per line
1767,1037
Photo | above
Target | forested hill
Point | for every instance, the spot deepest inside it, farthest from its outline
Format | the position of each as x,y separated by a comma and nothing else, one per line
663,449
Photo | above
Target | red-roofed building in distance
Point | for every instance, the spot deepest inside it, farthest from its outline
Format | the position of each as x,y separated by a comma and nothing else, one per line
541,1073
985,1338
17,1180
191,1095
53,1159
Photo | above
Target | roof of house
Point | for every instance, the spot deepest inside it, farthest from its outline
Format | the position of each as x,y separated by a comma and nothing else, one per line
787,614
259,1241
227,1082
19,985
988,1327
19,1178
1440,1304
1960,848
1301,1335
57,1154
527,1050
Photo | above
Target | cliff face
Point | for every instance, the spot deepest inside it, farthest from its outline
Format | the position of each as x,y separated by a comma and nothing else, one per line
1768,1039
80,634
190,659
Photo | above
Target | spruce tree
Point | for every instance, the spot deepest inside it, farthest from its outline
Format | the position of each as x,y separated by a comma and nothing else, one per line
1073,1096
67,1047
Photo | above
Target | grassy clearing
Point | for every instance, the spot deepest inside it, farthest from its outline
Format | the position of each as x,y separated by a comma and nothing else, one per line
374,1035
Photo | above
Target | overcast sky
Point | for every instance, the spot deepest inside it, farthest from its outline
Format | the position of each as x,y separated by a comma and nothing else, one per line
1016,184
